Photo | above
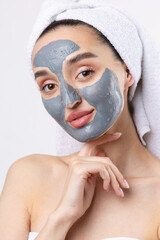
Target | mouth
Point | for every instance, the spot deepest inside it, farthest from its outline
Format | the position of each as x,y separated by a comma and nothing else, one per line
79,118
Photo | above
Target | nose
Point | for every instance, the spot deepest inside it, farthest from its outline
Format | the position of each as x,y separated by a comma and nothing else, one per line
74,104
70,97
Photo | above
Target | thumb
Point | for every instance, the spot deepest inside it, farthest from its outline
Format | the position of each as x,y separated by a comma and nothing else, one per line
89,147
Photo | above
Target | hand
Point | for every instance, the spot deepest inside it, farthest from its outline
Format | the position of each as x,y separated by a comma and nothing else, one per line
90,148
81,179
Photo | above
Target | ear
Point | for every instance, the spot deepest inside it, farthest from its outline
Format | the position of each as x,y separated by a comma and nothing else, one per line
128,78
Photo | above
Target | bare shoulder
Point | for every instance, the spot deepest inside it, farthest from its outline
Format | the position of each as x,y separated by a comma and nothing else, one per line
35,168
37,160
26,179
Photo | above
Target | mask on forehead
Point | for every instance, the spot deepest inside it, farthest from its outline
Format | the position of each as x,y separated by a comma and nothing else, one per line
104,95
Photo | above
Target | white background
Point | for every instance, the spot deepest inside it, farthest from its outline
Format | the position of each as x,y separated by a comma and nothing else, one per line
25,126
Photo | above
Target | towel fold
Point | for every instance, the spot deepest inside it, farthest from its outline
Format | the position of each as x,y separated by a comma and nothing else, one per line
136,49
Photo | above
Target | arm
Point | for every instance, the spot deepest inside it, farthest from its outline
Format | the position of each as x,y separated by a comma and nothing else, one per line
76,196
14,216
57,226
16,204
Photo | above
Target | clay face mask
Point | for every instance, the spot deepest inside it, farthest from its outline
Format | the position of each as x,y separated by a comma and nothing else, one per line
104,95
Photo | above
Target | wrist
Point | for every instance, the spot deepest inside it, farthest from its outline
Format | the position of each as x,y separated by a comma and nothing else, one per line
56,227
61,217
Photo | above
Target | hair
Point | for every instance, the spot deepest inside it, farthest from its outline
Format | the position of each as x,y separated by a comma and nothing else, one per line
72,22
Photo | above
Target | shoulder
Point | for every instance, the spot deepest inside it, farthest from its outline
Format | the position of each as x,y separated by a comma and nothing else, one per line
35,165
33,170
27,178
36,160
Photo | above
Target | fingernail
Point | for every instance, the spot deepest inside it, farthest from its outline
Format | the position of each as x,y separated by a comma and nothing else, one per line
117,133
121,192
126,183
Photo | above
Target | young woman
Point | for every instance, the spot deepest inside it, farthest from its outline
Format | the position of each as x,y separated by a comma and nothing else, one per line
110,188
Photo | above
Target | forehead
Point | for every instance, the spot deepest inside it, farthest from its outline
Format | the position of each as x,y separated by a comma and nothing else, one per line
83,36
53,54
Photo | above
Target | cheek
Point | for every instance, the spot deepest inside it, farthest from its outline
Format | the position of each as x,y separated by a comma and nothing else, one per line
105,95
52,94
105,88
121,80
55,108
121,85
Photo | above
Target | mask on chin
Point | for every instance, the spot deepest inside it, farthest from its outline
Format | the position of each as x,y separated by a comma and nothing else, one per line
104,95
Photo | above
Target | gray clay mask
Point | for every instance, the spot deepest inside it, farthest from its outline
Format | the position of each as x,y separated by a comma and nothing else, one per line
104,95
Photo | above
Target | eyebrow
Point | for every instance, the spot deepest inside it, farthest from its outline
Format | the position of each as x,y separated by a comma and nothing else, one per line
79,57
40,73
71,61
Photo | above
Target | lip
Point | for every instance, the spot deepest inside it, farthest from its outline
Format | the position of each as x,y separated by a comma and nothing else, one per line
79,118
77,114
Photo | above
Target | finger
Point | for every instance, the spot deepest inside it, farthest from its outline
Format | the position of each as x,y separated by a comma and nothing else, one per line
89,190
88,147
102,160
88,169
107,138
92,179
114,183
106,178
114,169
119,176
108,188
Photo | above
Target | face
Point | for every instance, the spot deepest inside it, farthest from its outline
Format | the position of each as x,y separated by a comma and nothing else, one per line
80,80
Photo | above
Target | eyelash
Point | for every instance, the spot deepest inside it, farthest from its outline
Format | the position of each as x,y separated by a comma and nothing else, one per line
87,70
42,88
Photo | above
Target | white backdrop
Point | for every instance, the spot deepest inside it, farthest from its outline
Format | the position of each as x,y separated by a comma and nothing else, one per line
25,126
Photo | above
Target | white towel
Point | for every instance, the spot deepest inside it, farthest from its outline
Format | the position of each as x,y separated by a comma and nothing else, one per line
136,49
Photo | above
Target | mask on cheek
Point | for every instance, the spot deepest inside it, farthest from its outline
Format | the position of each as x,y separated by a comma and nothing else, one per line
104,95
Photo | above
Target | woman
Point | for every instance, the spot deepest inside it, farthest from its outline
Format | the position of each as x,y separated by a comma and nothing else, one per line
84,85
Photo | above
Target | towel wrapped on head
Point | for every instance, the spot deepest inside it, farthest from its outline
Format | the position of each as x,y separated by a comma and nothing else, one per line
135,47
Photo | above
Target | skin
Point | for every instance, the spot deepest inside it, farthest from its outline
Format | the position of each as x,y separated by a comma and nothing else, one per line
25,206
104,96
124,123
137,162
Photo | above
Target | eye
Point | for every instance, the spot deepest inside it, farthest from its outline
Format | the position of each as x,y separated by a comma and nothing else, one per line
49,87
85,74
